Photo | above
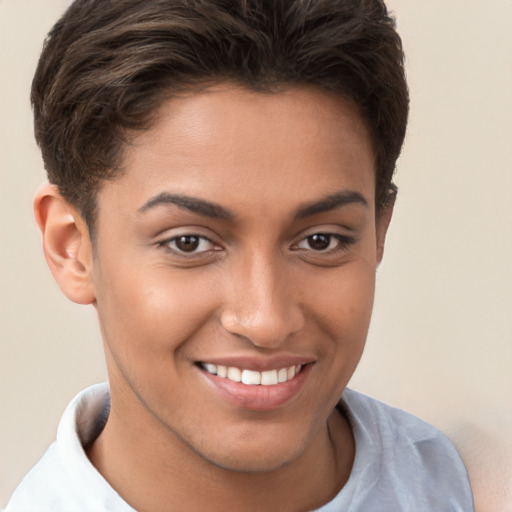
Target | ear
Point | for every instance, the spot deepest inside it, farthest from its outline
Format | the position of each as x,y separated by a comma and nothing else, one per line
66,243
382,224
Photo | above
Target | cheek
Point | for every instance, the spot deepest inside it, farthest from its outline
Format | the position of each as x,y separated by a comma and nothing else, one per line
341,315
344,308
154,310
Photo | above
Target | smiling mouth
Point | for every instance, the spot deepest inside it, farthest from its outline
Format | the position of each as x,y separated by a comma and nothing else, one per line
251,377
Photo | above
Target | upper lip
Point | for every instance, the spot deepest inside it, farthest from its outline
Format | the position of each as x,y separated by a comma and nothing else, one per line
259,364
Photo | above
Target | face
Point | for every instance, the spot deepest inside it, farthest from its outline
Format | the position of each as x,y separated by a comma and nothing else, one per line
234,272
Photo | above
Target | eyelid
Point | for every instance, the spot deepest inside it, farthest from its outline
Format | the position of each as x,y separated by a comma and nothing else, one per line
340,238
335,230
326,256
201,239
343,240
172,235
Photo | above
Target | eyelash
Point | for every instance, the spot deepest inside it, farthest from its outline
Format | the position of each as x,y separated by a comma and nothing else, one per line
343,243
166,244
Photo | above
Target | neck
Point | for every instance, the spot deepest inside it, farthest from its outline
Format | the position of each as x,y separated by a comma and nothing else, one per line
150,472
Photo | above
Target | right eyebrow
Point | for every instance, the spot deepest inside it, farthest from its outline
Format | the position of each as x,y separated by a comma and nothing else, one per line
194,204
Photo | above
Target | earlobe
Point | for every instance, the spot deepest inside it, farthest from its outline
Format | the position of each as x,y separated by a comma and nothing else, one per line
66,243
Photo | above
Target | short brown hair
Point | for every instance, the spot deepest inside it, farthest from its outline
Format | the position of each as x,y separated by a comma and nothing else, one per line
107,65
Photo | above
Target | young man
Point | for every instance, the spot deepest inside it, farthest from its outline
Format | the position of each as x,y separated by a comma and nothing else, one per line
220,191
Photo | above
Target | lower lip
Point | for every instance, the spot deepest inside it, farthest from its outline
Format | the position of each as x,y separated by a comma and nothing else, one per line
258,398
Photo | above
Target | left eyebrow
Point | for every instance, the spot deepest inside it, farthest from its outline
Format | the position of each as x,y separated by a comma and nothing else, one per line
331,202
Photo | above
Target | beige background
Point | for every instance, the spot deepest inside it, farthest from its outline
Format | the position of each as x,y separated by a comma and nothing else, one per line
441,340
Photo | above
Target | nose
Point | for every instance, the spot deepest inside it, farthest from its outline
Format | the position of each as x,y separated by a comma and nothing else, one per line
263,304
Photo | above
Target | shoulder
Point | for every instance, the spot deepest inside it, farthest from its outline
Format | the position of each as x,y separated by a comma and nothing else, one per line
404,460
388,424
64,478
44,486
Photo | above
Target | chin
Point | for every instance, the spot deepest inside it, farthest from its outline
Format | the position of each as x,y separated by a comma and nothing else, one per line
261,457
252,463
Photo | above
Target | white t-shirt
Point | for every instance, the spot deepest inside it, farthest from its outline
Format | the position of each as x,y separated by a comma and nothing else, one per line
401,464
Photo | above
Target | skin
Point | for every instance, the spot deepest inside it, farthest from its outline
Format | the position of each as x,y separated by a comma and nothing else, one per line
255,287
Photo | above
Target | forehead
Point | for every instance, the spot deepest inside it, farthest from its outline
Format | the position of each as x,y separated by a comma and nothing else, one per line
233,145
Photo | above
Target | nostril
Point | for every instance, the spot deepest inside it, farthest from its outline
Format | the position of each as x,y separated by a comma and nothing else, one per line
263,328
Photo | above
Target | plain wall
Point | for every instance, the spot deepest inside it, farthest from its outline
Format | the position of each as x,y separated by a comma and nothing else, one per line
440,344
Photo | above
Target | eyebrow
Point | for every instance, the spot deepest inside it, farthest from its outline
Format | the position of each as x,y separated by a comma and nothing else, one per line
213,210
193,204
331,202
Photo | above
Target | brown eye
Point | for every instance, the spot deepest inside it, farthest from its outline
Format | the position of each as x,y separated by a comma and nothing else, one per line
319,241
187,243
325,243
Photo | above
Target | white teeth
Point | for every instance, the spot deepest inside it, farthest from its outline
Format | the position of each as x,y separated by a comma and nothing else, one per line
234,374
269,378
253,378
210,368
282,376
